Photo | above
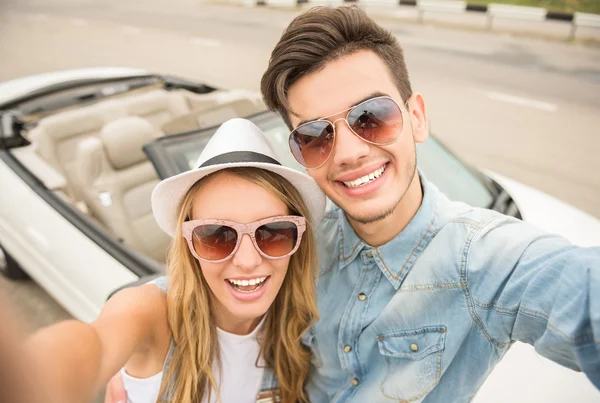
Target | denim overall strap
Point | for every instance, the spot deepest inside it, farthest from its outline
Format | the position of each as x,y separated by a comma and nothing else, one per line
163,283
269,389
167,395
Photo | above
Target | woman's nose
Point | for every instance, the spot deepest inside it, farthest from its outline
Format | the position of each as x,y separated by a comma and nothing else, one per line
247,257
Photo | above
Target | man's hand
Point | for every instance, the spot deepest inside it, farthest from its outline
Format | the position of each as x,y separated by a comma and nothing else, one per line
115,390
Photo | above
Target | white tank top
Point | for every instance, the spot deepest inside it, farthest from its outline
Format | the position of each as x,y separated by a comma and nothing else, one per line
240,381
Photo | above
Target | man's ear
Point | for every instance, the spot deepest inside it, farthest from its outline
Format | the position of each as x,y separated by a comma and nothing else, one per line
418,117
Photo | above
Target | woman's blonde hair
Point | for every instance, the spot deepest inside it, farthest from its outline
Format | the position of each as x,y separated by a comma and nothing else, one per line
189,376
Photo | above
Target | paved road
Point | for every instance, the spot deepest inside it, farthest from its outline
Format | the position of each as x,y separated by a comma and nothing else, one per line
524,107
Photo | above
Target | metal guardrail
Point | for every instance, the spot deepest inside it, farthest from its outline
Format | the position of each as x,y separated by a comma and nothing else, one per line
584,20
493,10
329,3
440,6
514,12
281,3
377,3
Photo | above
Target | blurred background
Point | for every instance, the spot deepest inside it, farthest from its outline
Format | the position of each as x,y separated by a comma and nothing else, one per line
521,99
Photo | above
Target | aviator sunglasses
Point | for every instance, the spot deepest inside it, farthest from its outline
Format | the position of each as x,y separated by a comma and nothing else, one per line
215,241
377,121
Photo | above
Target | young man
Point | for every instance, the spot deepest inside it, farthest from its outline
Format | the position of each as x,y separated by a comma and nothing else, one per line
419,297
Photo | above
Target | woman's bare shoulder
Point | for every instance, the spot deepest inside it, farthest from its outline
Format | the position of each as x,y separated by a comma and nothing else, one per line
150,353
142,310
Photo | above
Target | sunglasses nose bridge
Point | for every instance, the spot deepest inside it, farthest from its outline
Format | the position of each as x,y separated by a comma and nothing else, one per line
333,123
246,255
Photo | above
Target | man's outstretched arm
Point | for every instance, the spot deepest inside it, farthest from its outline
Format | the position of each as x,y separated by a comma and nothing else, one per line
525,285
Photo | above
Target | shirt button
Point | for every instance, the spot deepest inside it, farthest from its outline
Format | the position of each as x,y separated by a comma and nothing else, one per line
347,349
354,381
369,254
414,347
362,297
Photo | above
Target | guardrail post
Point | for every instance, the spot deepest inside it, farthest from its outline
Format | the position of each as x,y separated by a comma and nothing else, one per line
584,20
572,30
421,15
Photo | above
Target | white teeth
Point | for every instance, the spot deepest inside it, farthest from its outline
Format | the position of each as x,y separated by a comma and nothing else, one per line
365,179
242,283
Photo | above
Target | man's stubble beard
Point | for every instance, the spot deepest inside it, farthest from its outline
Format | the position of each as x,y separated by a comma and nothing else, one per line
382,215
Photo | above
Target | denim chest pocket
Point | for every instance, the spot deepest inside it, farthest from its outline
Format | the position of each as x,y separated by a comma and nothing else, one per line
309,339
414,362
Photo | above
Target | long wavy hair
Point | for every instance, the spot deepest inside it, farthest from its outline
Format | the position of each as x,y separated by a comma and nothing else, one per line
189,376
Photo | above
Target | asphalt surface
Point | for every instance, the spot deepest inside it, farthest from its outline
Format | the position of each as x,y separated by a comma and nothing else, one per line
526,107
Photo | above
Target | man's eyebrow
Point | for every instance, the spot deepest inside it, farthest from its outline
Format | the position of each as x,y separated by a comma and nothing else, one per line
372,95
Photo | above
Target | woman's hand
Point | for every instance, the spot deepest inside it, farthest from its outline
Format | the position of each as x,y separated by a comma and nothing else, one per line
115,390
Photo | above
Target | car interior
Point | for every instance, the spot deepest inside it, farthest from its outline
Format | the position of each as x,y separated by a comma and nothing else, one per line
92,155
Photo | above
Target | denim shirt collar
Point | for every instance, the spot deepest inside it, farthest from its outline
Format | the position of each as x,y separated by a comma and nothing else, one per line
395,258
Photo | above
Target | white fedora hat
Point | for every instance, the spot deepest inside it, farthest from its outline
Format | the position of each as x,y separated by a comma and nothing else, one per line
237,143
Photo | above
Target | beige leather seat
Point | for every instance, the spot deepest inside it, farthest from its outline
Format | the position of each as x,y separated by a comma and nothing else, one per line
57,137
117,179
157,107
211,115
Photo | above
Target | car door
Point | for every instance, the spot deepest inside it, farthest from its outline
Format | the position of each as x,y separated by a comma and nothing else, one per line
78,263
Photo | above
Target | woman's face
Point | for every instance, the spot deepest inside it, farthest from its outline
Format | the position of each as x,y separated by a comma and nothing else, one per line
229,197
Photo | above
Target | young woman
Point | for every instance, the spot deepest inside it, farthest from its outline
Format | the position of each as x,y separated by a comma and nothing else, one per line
225,324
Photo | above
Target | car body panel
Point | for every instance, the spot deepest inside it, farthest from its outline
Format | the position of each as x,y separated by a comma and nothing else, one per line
19,87
551,214
72,268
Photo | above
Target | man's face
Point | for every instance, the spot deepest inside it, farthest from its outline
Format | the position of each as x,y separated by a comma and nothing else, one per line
338,86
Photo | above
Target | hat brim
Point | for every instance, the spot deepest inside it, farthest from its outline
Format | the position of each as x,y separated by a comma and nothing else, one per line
168,195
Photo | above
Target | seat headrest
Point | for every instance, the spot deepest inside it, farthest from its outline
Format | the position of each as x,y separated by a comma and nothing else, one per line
124,138
71,123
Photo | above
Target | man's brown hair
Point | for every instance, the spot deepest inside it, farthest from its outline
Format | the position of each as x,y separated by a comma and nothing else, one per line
319,36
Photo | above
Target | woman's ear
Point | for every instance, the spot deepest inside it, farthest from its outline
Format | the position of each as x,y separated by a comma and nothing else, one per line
418,117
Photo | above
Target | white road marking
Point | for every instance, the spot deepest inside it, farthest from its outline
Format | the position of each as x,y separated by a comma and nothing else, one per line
440,45
131,30
79,22
210,43
526,102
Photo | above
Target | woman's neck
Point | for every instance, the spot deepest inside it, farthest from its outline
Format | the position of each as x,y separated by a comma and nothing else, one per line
234,325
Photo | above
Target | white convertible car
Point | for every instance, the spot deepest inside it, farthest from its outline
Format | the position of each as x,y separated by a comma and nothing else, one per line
80,152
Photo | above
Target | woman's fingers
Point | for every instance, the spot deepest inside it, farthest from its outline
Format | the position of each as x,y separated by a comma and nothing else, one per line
115,390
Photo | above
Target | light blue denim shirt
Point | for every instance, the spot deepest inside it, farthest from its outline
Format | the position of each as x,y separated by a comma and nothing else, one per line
425,317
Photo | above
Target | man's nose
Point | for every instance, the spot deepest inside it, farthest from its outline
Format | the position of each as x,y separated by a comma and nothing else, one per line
349,148
247,257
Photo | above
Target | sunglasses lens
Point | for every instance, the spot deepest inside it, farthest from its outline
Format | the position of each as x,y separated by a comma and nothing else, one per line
377,120
311,143
277,239
214,242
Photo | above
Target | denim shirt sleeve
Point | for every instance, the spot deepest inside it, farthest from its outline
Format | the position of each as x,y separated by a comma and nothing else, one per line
525,285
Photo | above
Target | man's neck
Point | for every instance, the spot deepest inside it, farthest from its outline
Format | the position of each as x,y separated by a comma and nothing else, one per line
381,232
